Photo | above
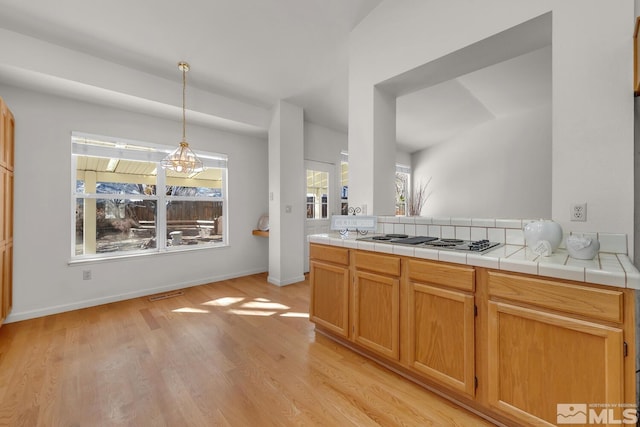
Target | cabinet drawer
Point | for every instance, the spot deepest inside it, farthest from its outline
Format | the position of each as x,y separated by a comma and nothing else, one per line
385,264
603,304
441,274
329,253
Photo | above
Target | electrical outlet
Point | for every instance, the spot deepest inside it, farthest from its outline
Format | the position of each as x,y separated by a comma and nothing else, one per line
86,274
578,212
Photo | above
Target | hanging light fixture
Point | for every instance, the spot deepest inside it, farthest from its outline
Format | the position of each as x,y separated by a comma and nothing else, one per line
183,160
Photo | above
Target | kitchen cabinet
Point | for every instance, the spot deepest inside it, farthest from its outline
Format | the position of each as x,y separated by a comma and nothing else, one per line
510,346
552,342
441,325
7,129
376,303
329,276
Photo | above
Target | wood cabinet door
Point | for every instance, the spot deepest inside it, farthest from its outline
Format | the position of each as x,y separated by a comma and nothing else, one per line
376,316
329,300
8,145
4,121
7,280
441,335
7,203
538,360
3,281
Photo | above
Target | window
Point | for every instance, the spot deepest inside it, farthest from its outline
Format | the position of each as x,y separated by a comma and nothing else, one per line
317,194
344,183
403,174
125,203
402,181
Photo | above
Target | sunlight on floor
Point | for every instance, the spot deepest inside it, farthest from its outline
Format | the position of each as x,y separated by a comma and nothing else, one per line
292,314
241,307
224,302
265,305
251,312
190,310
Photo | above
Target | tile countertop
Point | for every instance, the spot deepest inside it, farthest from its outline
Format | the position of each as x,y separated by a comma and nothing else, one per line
612,269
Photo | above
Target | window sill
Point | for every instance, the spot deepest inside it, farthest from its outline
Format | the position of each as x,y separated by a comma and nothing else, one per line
133,256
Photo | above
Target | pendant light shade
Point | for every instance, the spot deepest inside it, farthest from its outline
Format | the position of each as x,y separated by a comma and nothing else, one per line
183,159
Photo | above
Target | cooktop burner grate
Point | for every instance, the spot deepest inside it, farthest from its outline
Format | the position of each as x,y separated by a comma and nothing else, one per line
442,243
477,246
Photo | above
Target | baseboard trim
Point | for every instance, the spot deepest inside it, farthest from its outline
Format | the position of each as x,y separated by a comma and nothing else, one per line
278,282
41,312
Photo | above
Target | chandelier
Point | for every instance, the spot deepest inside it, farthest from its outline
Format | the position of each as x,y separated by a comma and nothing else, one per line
183,159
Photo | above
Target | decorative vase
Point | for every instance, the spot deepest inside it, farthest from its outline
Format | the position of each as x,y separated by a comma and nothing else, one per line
538,232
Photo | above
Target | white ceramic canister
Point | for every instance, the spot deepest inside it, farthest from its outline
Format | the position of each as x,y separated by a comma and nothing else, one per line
582,247
543,236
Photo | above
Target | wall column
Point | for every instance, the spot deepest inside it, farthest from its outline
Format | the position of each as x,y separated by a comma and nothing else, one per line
372,152
286,195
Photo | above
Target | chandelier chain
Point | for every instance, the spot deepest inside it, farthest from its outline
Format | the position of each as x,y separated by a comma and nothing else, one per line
184,115
183,159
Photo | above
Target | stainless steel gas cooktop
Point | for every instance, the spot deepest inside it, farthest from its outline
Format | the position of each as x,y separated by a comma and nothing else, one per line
476,246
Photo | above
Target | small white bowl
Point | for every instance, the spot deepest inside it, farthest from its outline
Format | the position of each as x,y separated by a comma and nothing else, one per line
582,247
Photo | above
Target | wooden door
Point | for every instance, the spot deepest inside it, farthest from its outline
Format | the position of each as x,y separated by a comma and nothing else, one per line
6,301
4,121
3,281
441,335
377,313
329,301
537,360
7,125
8,145
7,203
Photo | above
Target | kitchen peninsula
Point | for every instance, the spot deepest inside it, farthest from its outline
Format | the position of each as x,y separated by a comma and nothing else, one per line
505,333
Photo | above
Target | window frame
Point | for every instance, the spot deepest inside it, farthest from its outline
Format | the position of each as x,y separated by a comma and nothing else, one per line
404,170
320,203
152,153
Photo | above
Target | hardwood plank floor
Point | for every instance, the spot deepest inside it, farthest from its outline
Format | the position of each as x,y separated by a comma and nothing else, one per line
240,352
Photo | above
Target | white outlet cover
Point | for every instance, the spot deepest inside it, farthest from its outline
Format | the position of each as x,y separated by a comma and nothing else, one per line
578,212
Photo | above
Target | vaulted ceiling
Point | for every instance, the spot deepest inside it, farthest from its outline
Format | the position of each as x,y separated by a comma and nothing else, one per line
257,51
262,51
447,110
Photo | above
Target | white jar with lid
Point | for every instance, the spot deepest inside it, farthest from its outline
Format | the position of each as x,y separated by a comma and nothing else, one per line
536,233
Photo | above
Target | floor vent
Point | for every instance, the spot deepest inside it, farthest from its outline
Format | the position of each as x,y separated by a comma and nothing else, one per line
165,296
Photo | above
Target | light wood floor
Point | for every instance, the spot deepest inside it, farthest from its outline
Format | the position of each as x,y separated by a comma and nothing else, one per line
234,353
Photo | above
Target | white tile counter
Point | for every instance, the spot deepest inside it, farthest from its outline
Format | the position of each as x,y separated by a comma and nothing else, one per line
612,268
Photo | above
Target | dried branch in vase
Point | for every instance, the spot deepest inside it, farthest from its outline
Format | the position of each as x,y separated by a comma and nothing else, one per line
418,198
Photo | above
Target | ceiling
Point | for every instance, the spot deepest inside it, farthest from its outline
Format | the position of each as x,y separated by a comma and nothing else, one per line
257,51
262,51
444,111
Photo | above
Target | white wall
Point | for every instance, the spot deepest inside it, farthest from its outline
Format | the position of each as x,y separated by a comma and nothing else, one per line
592,104
403,158
44,282
322,144
500,169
